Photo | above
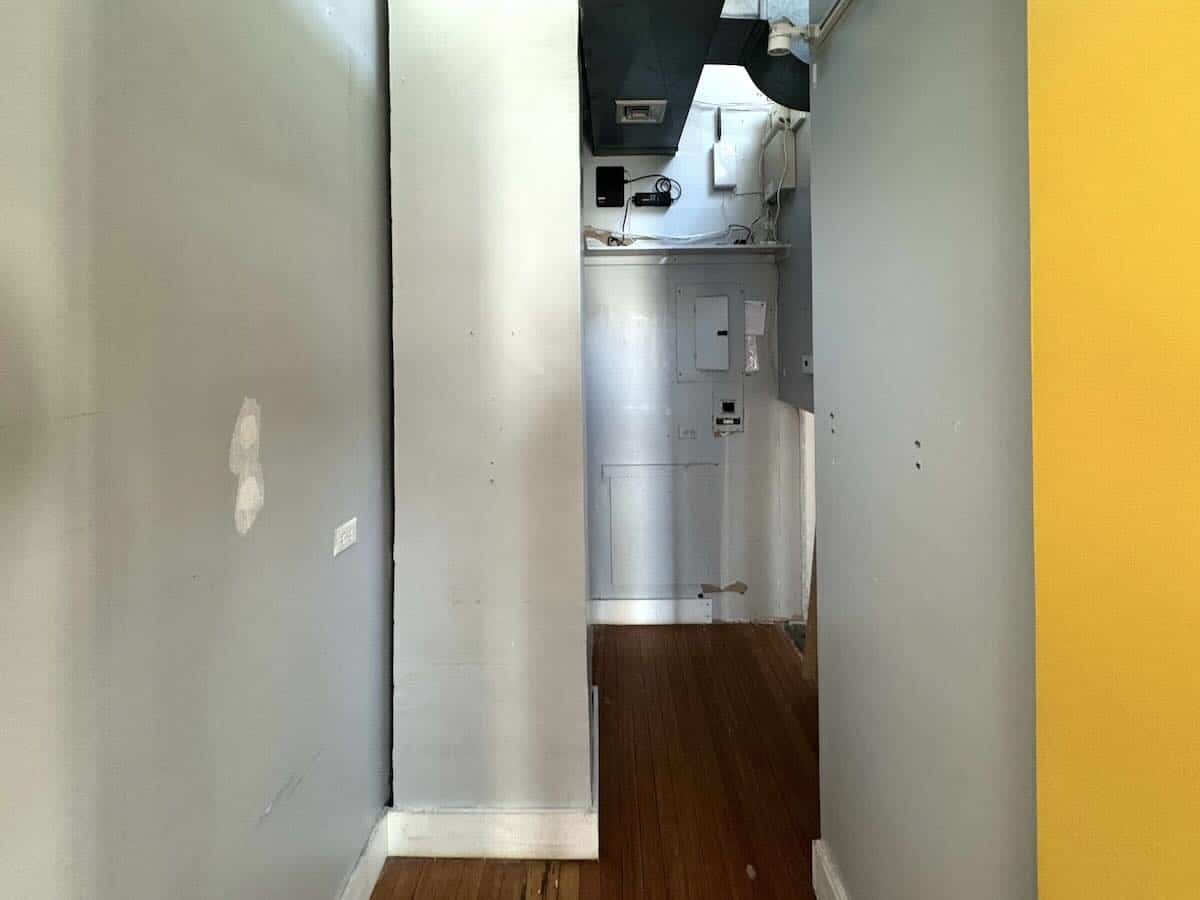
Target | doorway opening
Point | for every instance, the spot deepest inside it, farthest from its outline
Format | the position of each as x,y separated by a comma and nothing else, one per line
701,500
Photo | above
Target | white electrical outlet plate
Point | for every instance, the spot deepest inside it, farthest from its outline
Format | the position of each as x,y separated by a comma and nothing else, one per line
345,536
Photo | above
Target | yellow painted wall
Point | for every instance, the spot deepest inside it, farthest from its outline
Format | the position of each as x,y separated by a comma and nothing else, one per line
1115,195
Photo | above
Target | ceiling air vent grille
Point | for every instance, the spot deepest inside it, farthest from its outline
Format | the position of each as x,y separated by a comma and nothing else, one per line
641,112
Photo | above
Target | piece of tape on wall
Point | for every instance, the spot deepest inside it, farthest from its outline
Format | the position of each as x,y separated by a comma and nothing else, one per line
244,463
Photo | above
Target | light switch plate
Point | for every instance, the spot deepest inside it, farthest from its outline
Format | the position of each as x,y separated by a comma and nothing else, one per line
345,536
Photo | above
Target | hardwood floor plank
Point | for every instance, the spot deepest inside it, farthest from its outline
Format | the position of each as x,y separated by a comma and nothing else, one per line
708,779
472,879
399,879
502,880
629,845
750,794
783,664
794,748
703,736
651,853
568,885
677,831
535,881
440,879
778,830
553,875
700,835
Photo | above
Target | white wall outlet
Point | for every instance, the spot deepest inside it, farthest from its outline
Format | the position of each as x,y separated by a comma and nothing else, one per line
345,536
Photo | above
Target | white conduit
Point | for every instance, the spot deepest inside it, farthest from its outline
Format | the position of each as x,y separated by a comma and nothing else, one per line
820,33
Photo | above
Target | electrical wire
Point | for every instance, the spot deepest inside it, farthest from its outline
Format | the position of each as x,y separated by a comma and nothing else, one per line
772,215
664,185
682,238
746,239
617,239
725,215
761,215
779,189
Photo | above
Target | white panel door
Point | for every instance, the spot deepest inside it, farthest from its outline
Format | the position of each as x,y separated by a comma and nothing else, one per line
712,334
665,527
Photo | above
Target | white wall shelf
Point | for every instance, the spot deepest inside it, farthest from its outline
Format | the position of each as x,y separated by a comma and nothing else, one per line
687,253
689,250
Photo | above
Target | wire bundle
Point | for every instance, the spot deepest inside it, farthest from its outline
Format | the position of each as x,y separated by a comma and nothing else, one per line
663,186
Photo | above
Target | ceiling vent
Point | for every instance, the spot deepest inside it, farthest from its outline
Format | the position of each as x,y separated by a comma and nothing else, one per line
657,49
641,112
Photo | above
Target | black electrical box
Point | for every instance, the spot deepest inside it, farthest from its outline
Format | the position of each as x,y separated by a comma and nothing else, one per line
654,198
610,186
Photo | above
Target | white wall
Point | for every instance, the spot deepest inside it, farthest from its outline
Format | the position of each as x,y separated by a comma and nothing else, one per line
755,513
921,321
794,334
701,208
741,515
795,284
491,694
194,212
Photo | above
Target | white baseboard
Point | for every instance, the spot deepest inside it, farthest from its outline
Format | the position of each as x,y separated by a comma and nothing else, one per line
495,834
684,611
827,880
370,864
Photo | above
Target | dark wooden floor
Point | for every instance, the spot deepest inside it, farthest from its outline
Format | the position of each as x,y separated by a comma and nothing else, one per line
708,779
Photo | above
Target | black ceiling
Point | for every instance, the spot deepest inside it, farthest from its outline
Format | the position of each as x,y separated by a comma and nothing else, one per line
656,49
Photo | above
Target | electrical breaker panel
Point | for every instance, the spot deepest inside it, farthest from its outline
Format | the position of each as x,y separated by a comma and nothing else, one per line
712,334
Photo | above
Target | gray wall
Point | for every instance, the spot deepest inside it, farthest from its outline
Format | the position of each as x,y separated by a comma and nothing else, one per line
491,695
795,282
194,212
921,298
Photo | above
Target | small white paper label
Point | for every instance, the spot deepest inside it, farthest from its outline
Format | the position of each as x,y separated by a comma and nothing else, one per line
756,318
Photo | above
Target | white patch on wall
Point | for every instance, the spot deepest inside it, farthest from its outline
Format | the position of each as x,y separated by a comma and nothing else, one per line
244,463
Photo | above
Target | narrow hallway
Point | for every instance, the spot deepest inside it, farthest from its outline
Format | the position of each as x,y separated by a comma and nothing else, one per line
708,782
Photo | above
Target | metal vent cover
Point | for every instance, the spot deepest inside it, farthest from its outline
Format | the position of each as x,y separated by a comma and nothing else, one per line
641,112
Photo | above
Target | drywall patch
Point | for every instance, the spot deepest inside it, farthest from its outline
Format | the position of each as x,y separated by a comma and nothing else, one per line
244,463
